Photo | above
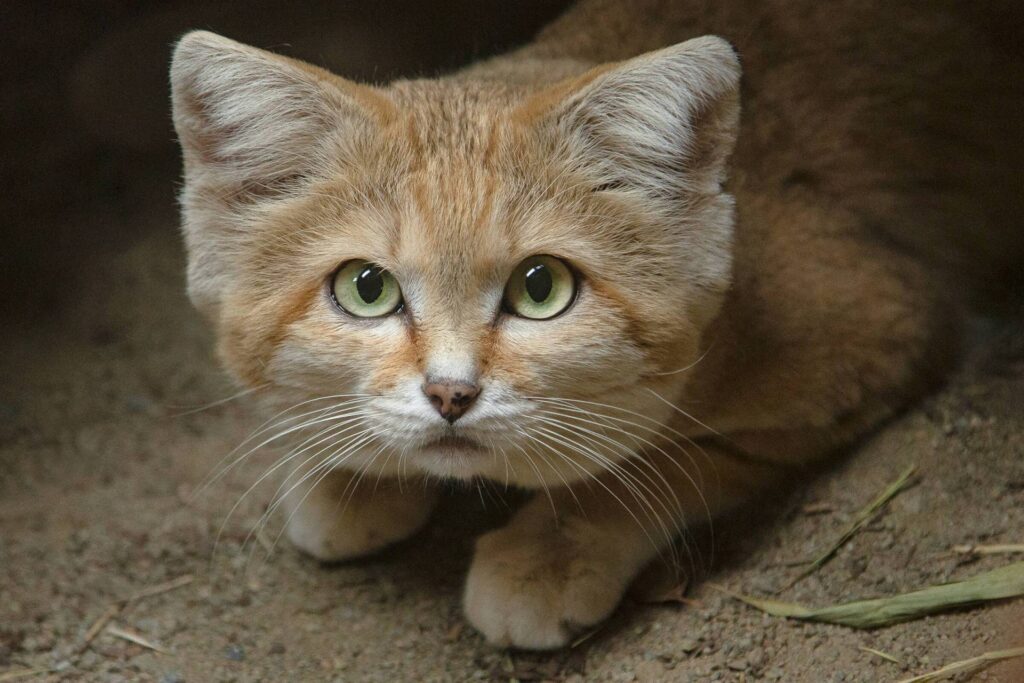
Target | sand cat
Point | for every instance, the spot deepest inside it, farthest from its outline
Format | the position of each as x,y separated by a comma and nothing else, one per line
579,268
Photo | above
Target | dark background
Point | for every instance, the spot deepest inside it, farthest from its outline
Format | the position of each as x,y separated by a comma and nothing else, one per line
88,144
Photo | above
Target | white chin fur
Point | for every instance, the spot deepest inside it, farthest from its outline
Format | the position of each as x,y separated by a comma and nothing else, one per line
454,463
502,465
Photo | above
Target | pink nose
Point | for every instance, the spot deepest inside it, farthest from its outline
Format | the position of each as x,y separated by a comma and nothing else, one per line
451,399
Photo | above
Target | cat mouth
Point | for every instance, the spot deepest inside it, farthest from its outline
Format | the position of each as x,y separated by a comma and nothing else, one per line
453,442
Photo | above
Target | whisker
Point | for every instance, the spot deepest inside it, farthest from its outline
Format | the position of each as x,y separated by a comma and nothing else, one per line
219,402
568,406
320,472
274,422
683,412
327,434
543,483
684,369
603,463
554,469
676,516
697,485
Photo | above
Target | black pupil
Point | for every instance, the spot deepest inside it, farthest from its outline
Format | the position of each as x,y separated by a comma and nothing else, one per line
370,284
538,282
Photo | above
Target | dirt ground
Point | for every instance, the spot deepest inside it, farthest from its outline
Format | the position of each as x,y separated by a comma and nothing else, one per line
103,363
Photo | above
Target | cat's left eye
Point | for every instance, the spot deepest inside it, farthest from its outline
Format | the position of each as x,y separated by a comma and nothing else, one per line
540,287
365,290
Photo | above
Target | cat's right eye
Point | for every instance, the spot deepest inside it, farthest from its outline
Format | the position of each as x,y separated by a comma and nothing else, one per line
365,290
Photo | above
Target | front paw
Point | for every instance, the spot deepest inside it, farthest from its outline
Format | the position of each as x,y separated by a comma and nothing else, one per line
333,523
537,590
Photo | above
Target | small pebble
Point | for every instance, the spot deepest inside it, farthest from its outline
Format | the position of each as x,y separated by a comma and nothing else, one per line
738,664
689,645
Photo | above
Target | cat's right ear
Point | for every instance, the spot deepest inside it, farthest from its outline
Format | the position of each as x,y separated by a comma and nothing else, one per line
255,117
253,126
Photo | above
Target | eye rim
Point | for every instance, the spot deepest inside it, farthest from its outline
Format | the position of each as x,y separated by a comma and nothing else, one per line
332,280
575,280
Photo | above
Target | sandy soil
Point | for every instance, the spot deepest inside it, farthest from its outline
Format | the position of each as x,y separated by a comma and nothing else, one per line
101,360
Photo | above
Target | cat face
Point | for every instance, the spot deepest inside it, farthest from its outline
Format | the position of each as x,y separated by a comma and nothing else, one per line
459,278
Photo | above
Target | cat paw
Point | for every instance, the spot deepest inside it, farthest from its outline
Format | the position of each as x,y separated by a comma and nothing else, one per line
538,591
333,524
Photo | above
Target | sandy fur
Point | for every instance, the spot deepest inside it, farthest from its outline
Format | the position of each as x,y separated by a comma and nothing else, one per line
753,296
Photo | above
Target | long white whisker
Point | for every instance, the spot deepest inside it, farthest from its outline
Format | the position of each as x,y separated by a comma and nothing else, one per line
603,463
683,412
688,367
330,433
272,423
676,516
319,472
698,484
219,402
551,466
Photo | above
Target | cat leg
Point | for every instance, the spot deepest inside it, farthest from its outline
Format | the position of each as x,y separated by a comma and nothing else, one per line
550,574
340,518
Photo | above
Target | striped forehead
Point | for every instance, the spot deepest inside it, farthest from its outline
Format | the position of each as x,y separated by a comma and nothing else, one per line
453,208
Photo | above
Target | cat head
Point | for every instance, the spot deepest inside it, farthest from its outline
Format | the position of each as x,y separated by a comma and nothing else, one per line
460,277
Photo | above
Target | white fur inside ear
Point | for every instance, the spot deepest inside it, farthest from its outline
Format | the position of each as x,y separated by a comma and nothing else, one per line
665,121
244,113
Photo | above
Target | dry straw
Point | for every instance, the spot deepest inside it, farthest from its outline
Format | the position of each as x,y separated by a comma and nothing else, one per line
998,584
973,665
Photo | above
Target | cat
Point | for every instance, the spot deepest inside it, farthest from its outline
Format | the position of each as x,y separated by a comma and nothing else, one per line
576,268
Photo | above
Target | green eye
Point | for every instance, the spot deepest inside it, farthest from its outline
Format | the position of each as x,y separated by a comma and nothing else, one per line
540,287
365,289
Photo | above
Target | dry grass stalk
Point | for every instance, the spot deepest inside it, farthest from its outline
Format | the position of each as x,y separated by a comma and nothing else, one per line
116,608
878,653
134,637
974,664
183,580
862,517
998,584
97,626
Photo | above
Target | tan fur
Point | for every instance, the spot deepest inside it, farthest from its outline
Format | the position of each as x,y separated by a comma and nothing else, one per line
722,333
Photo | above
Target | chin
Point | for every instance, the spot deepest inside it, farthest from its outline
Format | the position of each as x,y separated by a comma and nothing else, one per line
456,458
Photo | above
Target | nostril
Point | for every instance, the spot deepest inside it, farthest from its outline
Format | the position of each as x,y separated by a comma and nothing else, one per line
450,399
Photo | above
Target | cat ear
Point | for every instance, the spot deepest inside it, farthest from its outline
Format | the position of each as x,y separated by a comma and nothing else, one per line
664,122
253,118
253,126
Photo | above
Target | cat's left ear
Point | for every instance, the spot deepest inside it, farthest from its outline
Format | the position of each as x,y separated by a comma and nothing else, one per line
664,122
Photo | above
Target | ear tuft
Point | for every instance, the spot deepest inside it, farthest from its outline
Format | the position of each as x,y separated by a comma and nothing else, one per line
247,115
664,122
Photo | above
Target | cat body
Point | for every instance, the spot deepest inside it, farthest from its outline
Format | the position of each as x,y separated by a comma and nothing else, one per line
742,294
